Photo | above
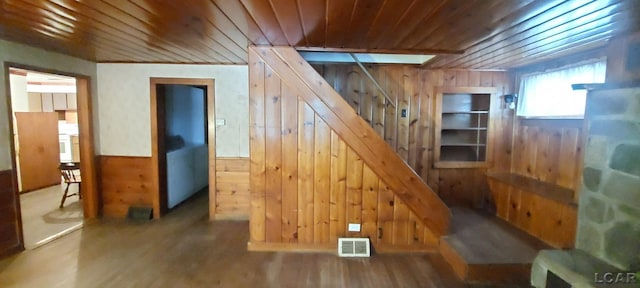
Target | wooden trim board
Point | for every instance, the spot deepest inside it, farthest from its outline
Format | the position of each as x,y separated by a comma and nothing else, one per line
159,206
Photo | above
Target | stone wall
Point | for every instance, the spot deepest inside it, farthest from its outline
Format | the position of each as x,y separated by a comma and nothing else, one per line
609,208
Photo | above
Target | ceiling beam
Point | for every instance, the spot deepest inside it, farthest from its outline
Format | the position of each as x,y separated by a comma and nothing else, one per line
381,51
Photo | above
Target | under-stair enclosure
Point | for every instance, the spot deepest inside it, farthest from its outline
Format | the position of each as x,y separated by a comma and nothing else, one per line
407,124
316,166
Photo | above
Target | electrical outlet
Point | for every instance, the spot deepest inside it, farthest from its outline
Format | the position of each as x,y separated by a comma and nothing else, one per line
353,227
221,122
403,113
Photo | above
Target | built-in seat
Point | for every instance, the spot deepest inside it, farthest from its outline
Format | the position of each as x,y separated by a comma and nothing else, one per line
544,210
482,248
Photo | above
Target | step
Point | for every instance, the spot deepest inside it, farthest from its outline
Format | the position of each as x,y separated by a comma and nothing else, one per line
482,248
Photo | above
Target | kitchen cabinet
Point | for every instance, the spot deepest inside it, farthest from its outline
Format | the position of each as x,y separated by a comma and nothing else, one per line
59,101
72,101
47,102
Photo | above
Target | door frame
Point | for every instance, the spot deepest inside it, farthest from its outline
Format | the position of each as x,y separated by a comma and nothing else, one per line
160,194
88,168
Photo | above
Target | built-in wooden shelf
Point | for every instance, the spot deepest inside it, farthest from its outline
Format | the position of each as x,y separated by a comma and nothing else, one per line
462,126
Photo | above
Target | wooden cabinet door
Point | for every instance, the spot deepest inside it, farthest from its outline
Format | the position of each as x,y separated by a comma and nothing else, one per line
47,102
72,101
38,149
59,101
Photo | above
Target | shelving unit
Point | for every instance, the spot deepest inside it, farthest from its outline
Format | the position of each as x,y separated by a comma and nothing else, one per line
462,126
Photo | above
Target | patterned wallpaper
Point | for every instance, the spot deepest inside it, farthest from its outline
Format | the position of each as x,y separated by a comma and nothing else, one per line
123,95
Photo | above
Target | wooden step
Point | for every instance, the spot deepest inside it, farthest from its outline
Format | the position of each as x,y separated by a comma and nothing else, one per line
482,248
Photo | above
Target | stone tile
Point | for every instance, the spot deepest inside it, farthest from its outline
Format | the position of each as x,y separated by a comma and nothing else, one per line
596,151
633,212
591,178
617,129
594,209
626,158
624,188
621,244
607,105
589,238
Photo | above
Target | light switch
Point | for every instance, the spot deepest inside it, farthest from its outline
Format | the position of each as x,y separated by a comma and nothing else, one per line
221,122
353,227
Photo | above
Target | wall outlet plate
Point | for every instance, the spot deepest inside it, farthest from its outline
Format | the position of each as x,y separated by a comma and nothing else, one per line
353,227
221,122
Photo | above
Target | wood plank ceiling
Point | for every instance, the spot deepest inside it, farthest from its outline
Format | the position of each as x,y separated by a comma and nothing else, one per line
491,33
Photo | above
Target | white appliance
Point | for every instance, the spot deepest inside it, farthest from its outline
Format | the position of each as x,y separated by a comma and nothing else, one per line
65,148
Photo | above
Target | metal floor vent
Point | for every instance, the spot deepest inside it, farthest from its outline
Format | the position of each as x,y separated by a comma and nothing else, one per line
354,247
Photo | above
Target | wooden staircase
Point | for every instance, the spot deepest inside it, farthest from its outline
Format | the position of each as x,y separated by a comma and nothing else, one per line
357,134
482,248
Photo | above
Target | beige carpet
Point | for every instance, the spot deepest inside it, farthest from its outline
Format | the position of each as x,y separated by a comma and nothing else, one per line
43,221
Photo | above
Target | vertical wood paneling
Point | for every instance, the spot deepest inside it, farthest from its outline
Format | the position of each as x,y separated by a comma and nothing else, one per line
322,178
126,181
232,188
10,238
354,187
306,125
369,203
308,183
412,136
548,150
338,188
401,222
386,203
257,139
273,157
289,165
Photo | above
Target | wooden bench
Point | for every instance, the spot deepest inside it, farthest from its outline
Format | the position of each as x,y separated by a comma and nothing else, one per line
544,210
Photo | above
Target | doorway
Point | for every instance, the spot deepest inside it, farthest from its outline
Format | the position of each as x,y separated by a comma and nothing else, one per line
50,121
183,140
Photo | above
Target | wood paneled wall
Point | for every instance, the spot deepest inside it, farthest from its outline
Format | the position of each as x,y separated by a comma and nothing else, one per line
9,215
619,52
412,90
549,151
310,175
126,181
232,188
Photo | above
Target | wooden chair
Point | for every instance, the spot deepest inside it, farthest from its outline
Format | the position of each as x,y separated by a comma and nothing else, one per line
71,175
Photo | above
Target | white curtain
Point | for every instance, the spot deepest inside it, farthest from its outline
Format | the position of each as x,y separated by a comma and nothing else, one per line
549,94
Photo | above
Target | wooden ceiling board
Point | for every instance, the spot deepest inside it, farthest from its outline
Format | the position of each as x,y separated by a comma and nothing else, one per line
338,11
262,12
364,13
29,23
485,34
192,24
522,33
100,22
467,25
172,28
242,20
390,11
409,23
314,22
552,35
287,14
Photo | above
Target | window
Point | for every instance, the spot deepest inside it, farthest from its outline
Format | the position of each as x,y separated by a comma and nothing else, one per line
549,94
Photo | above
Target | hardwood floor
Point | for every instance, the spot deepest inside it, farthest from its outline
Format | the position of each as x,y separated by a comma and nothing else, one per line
43,221
184,249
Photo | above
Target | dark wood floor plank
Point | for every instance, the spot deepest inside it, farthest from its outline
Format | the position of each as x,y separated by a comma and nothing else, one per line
184,249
